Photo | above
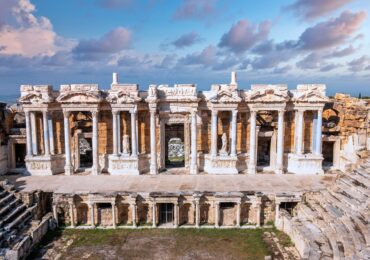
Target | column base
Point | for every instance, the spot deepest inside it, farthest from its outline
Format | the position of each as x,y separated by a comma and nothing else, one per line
194,169
95,170
252,169
279,170
68,170
42,165
305,164
123,165
153,170
220,164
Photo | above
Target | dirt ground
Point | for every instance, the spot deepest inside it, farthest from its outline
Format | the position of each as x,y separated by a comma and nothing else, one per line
155,244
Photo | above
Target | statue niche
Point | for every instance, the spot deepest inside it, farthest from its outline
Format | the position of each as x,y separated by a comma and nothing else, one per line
126,145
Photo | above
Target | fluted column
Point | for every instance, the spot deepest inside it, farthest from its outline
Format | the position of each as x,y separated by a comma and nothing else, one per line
238,214
51,133
45,127
233,132
299,132
154,212
28,134
318,143
133,133
114,221
153,144
197,213
252,143
118,118
280,143
133,211
214,134
115,133
67,148
194,165
95,143
217,214
34,133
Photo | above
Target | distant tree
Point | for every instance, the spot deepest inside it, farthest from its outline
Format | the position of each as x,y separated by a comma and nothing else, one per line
359,95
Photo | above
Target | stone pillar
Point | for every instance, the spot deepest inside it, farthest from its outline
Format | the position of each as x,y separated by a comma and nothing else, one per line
252,144
154,213
258,214
67,148
233,132
214,134
318,143
51,133
162,144
197,213
194,164
176,214
115,133
119,148
114,221
55,213
71,214
277,211
133,133
95,143
92,218
280,143
299,132
133,211
46,132
153,144
217,214
28,134
238,214
34,133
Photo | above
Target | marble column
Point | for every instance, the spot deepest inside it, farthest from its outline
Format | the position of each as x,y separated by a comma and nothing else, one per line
280,143
176,215
258,214
217,214
238,204
51,133
55,213
34,133
194,164
67,148
197,213
318,143
153,144
28,134
154,212
233,132
45,127
133,133
114,221
71,215
92,218
299,126
252,143
118,118
95,143
133,211
277,211
115,134
214,133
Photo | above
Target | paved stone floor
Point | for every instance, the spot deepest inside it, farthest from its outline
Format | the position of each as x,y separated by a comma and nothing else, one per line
267,183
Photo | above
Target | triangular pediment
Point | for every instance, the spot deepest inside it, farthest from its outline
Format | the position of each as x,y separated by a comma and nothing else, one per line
35,98
79,97
311,96
225,96
123,97
269,95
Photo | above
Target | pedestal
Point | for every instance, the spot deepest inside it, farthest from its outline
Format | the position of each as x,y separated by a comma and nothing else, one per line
304,164
221,164
45,165
123,165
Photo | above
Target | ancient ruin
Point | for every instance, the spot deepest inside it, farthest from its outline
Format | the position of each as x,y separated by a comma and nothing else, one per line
173,156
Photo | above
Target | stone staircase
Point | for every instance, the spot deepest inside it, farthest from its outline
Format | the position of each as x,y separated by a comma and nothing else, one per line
335,223
15,218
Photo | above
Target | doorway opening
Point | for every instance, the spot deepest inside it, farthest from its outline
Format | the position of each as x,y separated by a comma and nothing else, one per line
263,151
104,214
85,146
175,150
328,154
227,214
166,213
20,155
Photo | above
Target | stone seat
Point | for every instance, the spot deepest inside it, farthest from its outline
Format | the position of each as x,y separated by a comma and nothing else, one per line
20,221
353,191
360,176
357,239
350,183
7,208
6,199
13,214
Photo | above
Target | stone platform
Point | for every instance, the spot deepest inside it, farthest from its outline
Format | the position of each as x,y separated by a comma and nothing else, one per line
266,183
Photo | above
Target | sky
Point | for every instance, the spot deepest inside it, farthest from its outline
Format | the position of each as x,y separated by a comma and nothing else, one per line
185,41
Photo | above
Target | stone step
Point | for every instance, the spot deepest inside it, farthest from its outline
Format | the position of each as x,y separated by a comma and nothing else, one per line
6,199
20,221
13,215
360,175
352,191
349,202
357,239
8,207
359,187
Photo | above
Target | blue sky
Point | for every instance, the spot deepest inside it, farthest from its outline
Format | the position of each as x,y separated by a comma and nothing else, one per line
185,41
